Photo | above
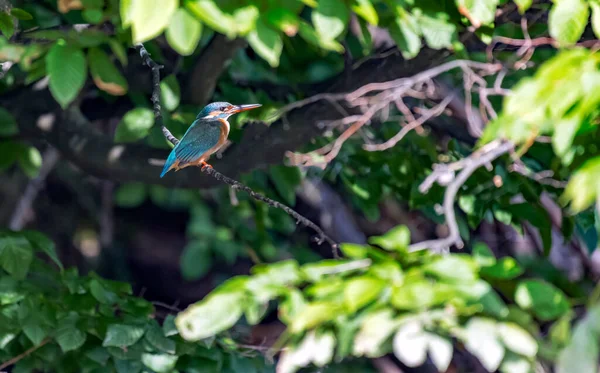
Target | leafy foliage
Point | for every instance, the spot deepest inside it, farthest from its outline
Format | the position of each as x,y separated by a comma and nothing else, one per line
87,323
509,313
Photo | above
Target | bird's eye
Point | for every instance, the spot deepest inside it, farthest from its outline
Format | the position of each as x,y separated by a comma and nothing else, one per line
223,108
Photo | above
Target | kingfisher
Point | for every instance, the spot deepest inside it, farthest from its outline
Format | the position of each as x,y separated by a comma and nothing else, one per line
206,135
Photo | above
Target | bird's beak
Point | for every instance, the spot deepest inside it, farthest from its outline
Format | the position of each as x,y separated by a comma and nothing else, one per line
240,108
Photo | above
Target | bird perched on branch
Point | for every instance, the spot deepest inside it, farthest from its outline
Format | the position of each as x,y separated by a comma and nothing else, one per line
205,136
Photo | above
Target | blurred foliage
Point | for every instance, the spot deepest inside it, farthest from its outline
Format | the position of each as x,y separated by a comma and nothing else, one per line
510,313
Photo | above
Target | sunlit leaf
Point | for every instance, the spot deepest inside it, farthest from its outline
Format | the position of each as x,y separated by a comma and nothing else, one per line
266,42
567,20
122,335
330,18
67,70
135,125
184,32
543,299
105,74
210,316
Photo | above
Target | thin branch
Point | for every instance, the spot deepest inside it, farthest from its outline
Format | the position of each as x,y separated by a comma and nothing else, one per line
467,165
50,158
390,92
322,236
433,112
18,358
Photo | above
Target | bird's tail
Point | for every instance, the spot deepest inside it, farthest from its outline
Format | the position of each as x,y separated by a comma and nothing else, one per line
169,163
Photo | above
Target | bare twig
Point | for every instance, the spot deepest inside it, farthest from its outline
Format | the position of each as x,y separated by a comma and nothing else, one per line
467,165
433,112
322,236
17,221
18,358
387,93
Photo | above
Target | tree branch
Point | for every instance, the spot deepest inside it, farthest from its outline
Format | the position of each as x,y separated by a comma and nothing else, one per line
18,358
444,175
155,68
260,146
211,64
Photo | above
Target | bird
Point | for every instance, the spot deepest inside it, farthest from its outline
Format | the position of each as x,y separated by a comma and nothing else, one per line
206,135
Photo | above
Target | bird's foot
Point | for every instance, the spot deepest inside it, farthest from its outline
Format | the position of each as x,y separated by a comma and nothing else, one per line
205,166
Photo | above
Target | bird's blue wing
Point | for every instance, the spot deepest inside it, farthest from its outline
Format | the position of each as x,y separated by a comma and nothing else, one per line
202,135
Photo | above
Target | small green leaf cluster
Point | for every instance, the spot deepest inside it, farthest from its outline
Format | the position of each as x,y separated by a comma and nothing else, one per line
384,299
560,100
87,323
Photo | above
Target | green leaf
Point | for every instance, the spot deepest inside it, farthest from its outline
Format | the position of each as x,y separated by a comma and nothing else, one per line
310,35
407,35
170,93
93,16
35,332
67,71
506,268
148,18
16,255
210,14
316,271
595,17
312,315
101,294
440,350
396,239
354,251
286,180
7,26
105,74
67,335
284,20
245,18
517,339
184,32
214,314
413,295
122,335
169,329
41,242
196,260
483,255
8,123
360,291
564,133
131,195
581,354
482,341
128,366
480,12
155,336
438,32
30,161
374,331
21,14
266,42
330,18
366,10
523,5
582,189
160,363
410,344
543,299
135,125
454,267
118,50
567,20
